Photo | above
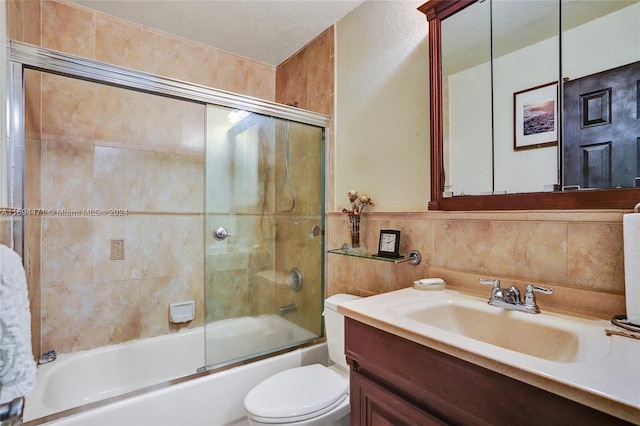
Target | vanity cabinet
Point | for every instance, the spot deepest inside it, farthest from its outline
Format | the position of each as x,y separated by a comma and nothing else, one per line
395,381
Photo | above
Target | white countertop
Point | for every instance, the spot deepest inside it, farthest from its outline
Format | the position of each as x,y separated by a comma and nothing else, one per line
605,373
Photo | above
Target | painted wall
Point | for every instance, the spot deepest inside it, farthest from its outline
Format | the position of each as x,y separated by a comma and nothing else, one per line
382,106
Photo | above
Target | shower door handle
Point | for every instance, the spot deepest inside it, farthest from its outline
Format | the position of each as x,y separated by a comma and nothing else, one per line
221,234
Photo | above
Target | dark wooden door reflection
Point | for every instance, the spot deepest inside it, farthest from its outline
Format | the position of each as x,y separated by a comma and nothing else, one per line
601,121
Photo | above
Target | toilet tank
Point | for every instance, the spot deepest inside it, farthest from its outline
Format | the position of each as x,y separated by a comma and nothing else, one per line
334,327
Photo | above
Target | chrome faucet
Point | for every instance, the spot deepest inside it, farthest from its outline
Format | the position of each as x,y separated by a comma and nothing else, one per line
509,298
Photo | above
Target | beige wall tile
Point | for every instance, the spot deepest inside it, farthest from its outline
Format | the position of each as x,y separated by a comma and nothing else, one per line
200,64
155,246
32,104
595,256
66,175
160,123
149,181
296,71
118,42
579,254
23,21
233,73
117,116
161,53
5,230
537,249
462,245
67,106
261,81
320,69
192,139
32,32
67,251
15,19
68,28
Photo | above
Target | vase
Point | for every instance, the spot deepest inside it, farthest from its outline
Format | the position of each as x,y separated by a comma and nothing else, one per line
354,228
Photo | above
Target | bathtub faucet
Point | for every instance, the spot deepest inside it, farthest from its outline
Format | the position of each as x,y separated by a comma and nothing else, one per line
289,308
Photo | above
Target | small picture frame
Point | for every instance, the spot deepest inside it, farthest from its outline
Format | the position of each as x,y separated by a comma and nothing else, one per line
389,243
535,117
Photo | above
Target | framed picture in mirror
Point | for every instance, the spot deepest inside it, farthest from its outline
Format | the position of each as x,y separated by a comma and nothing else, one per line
535,117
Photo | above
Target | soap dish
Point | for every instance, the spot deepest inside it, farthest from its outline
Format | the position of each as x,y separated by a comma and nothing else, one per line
429,284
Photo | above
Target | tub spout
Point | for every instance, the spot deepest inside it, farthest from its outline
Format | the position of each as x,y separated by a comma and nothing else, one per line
289,308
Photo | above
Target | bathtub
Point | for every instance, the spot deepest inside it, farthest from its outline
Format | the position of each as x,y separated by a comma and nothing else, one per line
81,378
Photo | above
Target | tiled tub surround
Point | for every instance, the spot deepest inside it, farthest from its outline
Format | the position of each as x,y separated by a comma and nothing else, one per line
578,253
241,270
141,156
71,28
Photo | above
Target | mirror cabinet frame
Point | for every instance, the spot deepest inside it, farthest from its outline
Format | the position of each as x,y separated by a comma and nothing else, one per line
622,198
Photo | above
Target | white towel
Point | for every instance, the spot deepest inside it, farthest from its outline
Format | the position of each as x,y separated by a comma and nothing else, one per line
17,366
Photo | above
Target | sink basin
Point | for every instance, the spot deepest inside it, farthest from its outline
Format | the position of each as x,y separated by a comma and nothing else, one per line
506,329
571,356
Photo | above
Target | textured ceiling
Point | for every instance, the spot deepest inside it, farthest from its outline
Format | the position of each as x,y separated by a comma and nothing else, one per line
268,31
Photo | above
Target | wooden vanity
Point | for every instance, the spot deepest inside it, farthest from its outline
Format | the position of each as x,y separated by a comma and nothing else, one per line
395,381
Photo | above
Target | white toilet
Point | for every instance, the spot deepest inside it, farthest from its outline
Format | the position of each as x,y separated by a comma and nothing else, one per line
309,395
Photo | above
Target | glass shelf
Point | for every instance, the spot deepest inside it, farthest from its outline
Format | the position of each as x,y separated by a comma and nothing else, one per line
413,257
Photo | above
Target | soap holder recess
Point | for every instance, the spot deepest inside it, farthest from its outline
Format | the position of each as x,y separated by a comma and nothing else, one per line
181,312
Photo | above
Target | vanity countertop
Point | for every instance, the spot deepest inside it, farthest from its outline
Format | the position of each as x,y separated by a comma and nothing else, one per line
604,375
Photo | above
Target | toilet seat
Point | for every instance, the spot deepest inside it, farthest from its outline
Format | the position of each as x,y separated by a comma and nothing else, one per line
297,394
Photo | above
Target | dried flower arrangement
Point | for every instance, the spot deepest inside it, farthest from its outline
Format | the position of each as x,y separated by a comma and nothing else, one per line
358,203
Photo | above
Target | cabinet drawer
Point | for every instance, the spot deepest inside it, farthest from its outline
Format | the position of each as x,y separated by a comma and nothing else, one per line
372,404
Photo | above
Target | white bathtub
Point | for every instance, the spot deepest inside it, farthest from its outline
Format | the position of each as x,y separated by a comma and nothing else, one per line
77,379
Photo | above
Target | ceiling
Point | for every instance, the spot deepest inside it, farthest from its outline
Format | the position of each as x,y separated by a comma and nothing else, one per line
267,31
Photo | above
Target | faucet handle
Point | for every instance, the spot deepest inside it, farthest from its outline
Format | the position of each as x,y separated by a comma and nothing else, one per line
495,283
530,298
531,288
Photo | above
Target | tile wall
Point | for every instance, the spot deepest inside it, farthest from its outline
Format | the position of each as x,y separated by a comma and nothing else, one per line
73,29
90,146
578,253
306,79
114,165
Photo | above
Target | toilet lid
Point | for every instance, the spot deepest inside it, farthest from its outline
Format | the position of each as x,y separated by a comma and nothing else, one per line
297,394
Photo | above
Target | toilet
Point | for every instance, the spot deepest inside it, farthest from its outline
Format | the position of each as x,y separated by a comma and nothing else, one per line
312,394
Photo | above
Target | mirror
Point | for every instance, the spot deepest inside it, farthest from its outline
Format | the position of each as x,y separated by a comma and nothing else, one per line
466,75
525,65
601,94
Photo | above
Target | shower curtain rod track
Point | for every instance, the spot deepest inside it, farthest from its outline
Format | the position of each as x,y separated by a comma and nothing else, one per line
44,59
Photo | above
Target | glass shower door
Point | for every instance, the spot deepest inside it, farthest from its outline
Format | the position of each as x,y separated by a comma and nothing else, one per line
264,245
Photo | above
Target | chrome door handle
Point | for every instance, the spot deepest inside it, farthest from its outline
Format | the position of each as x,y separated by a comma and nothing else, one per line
221,234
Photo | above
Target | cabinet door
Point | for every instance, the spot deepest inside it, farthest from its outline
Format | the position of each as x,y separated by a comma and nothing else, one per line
373,405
